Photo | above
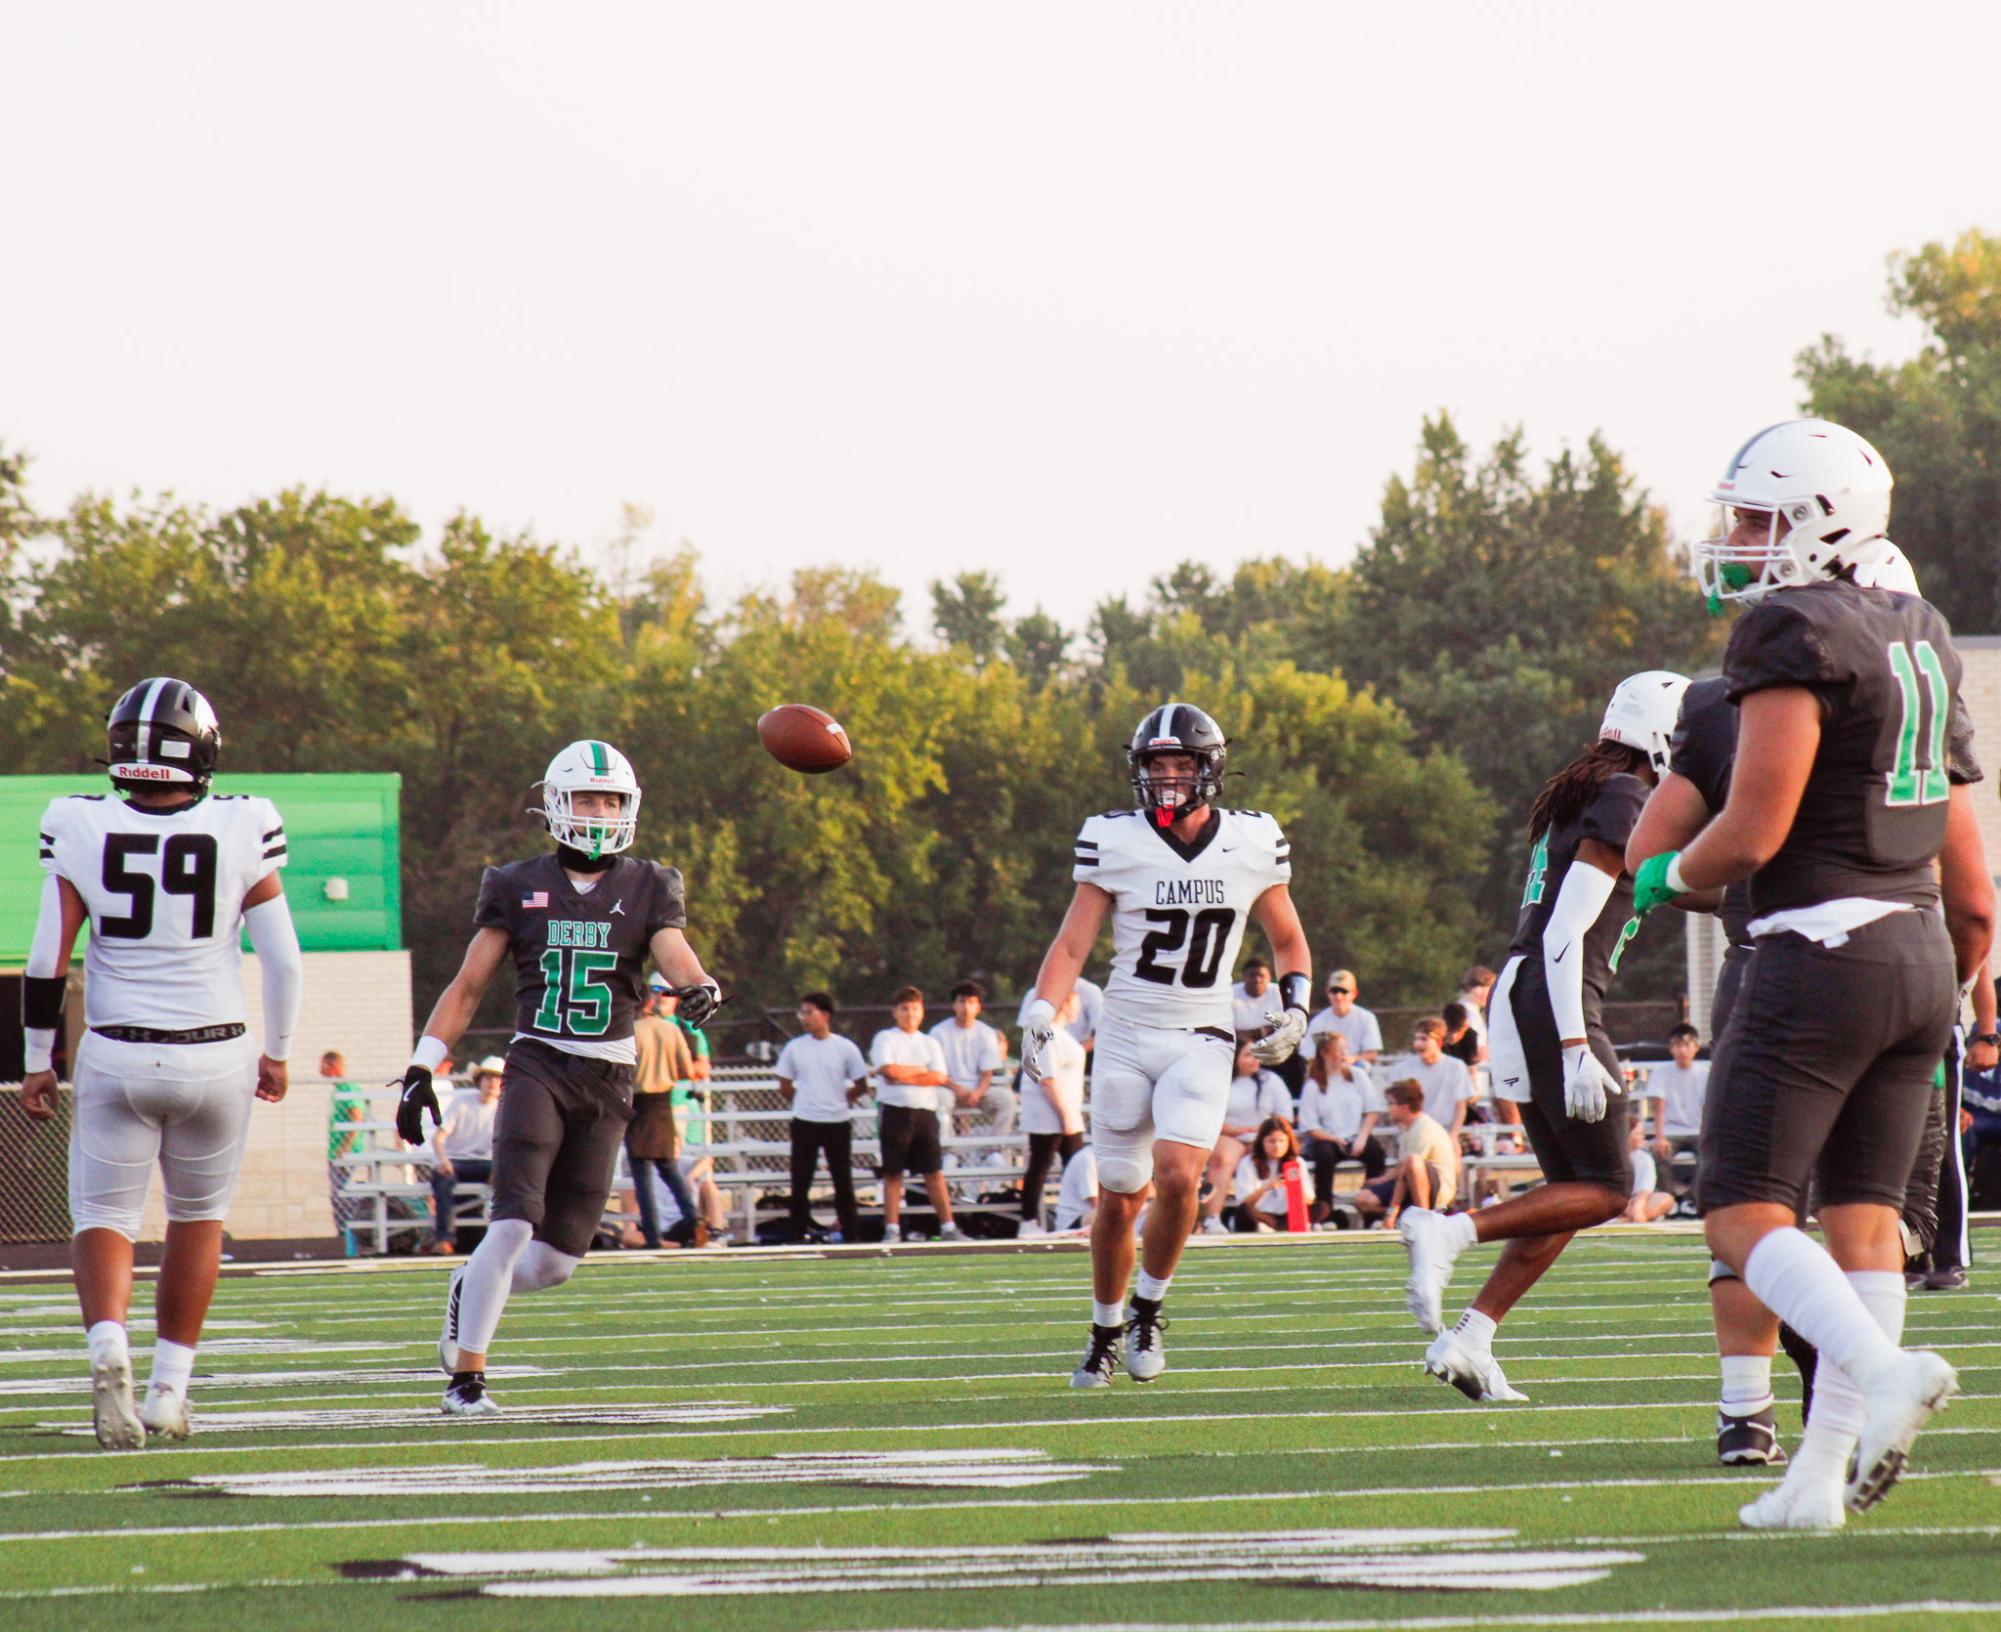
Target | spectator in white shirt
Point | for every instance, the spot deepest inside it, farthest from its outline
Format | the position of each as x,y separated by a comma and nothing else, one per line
1254,1095
1052,1115
464,1147
1077,1196
910,1078
1251,1000
1677,1090
1645,1204
1349,1018
1447,1085
822,1077
1338,1113
1260,1179
976,1061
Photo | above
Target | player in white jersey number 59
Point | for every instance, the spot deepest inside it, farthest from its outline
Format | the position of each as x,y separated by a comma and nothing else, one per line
1179,878
168,878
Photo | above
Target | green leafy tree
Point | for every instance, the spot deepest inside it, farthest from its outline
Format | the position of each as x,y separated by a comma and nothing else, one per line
1937,419
966,613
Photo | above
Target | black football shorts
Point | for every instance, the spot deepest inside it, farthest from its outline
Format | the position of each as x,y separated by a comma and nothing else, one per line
1826,1071
556,1135
1567,1150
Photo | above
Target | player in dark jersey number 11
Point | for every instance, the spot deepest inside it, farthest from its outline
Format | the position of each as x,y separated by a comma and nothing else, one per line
579,926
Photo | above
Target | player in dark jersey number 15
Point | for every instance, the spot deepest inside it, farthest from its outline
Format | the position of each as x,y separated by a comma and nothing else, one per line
578,926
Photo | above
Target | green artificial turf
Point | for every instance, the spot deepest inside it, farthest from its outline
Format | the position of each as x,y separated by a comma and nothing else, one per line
785,1444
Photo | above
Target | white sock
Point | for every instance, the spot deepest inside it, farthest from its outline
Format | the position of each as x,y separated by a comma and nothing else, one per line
1747,1384
489,1276
1107,1314
173,1365
1152,1287
108,1344
1477,1329
1461,1233
541,1267
1806,1289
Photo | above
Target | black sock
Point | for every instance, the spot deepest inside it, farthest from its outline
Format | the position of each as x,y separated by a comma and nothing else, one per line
461,1378
1147,1307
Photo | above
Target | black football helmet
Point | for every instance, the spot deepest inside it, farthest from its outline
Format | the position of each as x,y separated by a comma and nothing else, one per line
162,733
1177,728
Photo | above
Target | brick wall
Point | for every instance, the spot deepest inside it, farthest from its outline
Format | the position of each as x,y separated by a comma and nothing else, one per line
357,1003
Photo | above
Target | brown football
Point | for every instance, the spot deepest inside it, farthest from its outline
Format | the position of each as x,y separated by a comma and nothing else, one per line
803,738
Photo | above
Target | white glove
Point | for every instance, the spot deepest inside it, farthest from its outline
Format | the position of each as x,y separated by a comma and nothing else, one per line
1038,1025
1276,1046
1587,1084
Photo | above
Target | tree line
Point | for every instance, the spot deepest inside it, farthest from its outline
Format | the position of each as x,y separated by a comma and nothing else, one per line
1396,714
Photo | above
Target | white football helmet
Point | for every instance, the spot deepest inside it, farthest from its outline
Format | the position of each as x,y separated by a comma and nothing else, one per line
1642,713
1832,488
591,767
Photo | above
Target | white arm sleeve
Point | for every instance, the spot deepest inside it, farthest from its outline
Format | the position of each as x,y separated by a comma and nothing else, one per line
43,952
1585,891
276,944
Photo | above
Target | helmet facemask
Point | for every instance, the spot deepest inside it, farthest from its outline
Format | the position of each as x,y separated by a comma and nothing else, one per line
591,836
1169,794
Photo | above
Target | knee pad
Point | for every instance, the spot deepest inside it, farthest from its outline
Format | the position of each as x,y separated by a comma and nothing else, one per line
541,1266
1125,1158
1720,1271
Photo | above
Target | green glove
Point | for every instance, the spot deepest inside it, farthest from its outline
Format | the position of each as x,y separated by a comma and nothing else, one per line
1650,884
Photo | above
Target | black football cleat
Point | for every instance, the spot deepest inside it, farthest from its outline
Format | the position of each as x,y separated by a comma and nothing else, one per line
1748,1442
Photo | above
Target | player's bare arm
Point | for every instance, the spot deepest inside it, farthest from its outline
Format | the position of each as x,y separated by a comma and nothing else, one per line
1778,735
1967,890
60,900
459,1001
1276,915
1675,813
1061,965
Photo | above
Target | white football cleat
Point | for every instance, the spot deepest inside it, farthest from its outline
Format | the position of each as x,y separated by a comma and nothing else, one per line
469,1399
114,1412
1474,1372
1101,1359
1212,1225
1433,1252
165,1414
1146,1355
448,1339
1895,1411
1796,1504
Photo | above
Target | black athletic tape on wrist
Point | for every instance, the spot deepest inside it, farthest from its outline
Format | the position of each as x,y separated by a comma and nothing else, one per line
42,1002
1295,990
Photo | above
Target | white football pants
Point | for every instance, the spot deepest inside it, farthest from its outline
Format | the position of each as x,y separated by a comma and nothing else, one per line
1148,1083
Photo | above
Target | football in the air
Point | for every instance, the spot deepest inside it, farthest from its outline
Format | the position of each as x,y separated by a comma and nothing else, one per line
803,738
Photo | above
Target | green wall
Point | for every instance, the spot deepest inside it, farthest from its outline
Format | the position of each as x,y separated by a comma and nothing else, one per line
335,826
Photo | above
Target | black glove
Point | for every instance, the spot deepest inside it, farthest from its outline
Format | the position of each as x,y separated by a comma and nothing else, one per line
698,1003
418,1097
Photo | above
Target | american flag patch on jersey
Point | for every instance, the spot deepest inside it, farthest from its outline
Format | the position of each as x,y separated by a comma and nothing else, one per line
539,899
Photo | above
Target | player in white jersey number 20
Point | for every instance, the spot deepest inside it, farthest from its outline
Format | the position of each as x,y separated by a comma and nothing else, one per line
168,877
1179,877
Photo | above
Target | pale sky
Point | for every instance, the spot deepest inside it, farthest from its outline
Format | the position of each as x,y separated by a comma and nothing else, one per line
1070,291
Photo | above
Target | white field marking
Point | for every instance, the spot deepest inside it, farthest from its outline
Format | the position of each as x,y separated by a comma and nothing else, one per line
1381,1558
916,1470
364,1418
1452,1623
418,1419
277,1379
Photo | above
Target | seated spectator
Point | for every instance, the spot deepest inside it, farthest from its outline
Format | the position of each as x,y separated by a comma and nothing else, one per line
1262,1203
1077,1196
821,1079
1644,1204
976,1062
1251,1000
909,1069
1345,1015
1052,1114
1427,1172
1677,1090
1338,1112
1462,1042
464,1148
1447,1084
1254,1095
